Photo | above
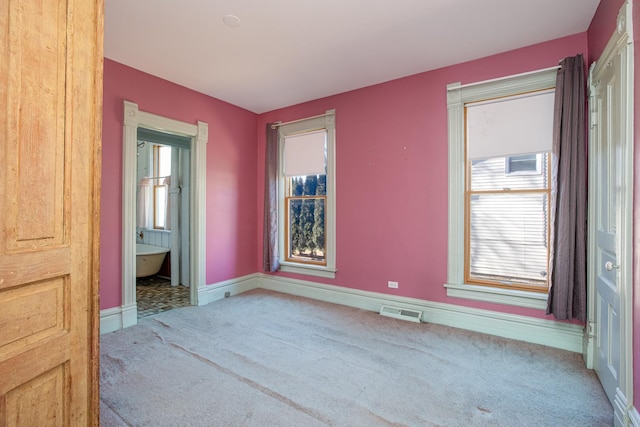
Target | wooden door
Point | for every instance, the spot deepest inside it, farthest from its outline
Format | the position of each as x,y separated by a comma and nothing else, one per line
50,126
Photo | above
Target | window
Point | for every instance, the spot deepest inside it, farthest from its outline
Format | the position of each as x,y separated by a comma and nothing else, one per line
161,174
500,188
307,196
527,164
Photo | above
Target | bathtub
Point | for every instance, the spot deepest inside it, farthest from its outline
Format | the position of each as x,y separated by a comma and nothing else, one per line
149,259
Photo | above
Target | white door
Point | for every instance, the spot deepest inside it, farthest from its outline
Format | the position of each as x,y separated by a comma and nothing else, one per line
607,221
610,216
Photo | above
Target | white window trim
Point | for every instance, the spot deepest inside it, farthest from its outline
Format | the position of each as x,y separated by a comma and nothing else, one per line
328,122
457,96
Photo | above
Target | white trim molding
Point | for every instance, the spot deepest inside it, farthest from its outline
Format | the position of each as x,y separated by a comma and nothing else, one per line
498,295
538,331
199,134
110,320
227,288
113,319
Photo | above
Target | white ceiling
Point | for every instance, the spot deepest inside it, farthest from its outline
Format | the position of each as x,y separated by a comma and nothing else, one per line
289,51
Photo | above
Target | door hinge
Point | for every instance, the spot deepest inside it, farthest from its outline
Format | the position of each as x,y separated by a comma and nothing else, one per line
593,112
591,329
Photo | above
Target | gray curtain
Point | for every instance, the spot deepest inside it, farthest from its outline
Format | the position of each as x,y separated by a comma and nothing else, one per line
270,261
568,293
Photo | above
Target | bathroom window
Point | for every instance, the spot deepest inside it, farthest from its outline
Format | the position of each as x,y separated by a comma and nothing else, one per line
162,176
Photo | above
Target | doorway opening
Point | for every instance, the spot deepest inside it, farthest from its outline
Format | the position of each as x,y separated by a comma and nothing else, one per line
188,142
162,221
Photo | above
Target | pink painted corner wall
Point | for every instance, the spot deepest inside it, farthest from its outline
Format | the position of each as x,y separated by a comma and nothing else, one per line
231,176
600,31
391,160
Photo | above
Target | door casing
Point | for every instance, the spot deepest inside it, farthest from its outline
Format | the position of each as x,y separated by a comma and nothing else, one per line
199,134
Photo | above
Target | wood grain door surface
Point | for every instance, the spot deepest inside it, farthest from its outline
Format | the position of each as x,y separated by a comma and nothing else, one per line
50,127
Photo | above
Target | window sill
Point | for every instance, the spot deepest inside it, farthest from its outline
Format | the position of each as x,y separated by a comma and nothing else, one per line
498,295
309,270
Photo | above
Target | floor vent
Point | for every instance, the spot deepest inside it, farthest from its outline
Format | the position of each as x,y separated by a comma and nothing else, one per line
401,313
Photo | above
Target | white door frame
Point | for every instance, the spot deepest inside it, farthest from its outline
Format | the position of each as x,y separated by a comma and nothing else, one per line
199,134
621,44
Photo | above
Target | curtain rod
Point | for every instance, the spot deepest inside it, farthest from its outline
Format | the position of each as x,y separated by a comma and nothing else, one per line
157,177
557,67
277,124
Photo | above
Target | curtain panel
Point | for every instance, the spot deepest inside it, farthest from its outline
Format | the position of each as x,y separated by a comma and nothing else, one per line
568,294
270,257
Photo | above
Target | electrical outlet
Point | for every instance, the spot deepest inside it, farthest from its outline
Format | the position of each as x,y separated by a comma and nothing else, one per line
393,284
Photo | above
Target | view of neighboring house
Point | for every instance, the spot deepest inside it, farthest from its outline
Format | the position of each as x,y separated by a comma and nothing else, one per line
509,226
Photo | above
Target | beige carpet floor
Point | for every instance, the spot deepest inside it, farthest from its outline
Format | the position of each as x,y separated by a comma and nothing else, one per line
268,359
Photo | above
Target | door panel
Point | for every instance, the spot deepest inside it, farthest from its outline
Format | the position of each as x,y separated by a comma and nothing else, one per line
36,128
41,401
50,109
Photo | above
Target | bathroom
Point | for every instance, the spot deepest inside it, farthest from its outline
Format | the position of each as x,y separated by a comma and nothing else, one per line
162,212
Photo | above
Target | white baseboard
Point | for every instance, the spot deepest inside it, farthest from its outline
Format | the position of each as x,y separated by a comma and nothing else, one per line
110,319
215,292
529,329
634,417
113,319
129,315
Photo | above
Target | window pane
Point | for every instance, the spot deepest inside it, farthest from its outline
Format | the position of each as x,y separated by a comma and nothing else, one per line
306,219
164,161
310,185
160,206
509,237
528,163
489,175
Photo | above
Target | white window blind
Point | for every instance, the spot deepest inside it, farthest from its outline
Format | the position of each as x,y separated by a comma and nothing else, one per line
304,154
509,126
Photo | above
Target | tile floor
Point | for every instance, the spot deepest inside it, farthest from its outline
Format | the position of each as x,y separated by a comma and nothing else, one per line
154,294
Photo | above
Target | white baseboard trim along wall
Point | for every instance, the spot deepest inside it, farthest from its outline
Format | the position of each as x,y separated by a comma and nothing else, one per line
112,319
538,331
218,291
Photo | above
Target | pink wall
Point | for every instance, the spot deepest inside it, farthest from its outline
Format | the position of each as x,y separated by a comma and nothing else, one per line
391,159
602,27
231,176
